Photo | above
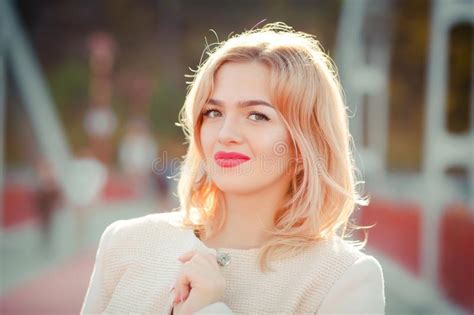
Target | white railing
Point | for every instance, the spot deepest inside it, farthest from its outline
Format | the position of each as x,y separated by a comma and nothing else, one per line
364,71
363,58
80,180
442,149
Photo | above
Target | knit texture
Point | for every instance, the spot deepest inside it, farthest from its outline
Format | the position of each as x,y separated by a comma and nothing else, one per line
136,264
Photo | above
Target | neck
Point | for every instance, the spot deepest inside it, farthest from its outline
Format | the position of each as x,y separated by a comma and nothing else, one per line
248,216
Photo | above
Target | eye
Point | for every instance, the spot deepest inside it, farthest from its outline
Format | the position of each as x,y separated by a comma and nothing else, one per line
259,116
211,113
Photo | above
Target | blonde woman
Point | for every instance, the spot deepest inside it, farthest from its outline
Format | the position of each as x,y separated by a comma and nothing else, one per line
266,189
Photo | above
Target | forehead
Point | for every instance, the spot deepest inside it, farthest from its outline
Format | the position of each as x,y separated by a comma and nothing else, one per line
235,81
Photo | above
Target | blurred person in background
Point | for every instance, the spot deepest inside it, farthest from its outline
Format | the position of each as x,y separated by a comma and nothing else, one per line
47,195
266,192
100,120
163,172
137,151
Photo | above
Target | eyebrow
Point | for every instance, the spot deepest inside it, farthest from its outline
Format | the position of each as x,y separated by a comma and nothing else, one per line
241,103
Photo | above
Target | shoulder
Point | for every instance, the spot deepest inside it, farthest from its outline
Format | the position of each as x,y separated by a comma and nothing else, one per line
359,281
365,271
335,253
359,290
355,263
129,242
143,223
336,267
137,232
366,267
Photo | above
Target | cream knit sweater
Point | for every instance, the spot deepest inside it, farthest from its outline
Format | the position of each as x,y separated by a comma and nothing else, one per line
136,264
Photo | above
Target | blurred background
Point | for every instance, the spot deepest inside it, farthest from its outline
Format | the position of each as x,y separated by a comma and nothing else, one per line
90,93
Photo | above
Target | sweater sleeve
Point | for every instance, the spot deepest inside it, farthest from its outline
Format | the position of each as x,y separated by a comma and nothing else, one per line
96,297
214,308
359,291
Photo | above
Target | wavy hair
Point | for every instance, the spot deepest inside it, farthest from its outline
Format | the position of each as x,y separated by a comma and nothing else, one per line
307,93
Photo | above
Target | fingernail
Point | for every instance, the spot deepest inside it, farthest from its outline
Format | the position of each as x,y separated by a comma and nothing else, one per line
171,288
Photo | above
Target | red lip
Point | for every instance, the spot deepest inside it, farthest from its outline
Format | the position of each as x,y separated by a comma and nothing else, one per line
230,155
230,159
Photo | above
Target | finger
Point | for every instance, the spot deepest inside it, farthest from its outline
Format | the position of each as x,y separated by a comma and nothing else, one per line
182,286
181,296
176,294
199,256
211,258
191,302
186,256
185,293
207,261
201,261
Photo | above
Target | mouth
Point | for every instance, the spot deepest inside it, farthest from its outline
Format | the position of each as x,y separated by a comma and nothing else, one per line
230,159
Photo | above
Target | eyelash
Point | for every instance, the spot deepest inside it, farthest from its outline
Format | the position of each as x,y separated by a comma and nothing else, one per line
265,117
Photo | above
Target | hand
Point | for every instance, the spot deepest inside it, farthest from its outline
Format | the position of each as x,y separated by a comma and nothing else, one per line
199,283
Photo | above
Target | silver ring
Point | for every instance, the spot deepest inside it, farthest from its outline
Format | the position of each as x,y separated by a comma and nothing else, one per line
223,259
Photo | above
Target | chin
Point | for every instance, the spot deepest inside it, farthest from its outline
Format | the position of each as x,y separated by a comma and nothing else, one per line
236,184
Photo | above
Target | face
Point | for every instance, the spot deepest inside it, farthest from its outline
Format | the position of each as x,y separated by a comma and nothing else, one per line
245,142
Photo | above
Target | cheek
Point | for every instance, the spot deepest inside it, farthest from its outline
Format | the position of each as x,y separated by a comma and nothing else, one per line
207,139
276,144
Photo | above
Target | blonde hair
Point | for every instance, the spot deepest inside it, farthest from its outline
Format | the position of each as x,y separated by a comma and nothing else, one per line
306,90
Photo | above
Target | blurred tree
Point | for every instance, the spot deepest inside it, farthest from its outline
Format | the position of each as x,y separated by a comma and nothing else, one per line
460,78
164,38
408,83
69,83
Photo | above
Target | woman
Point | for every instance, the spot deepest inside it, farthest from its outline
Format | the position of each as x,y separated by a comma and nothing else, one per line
267,188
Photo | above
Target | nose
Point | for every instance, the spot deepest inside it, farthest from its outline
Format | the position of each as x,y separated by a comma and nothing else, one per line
229,132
